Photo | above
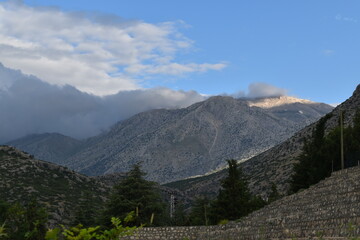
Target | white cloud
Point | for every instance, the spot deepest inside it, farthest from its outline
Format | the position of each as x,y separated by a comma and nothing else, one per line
328,52
29,105
99,54
260,90
334,104
174,68
339,17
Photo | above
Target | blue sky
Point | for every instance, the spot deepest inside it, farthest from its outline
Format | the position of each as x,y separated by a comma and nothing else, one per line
309,48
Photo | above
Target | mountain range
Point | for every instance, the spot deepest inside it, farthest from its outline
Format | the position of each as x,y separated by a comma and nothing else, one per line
180,143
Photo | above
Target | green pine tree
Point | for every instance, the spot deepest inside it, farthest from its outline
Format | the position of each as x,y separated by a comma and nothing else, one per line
314,163
179,218
199,214
274,194
85,213
234,199
134,193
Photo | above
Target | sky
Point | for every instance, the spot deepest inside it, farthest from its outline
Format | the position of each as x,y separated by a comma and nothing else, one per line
212,47
172,53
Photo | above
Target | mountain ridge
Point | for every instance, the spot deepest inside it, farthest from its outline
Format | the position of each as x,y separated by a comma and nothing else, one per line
178,143
52,147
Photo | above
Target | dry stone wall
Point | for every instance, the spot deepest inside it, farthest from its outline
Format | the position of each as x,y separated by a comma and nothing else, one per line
327,210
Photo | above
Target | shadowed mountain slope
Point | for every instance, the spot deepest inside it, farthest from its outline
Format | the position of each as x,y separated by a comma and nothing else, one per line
52,147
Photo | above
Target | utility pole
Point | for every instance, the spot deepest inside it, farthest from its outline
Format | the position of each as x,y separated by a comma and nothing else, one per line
172,205
205,213
342,139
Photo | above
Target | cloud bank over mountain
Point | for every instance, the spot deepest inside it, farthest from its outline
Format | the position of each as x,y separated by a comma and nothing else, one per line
29,105
261,90
98,54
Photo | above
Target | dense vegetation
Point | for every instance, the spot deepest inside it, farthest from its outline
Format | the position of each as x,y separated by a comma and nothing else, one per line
322,154
26,221
29,222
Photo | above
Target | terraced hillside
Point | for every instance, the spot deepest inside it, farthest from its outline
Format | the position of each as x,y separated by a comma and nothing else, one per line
327,210
59,189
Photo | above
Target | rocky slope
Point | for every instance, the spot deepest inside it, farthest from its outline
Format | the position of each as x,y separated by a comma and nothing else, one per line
274,165
175,144
59,189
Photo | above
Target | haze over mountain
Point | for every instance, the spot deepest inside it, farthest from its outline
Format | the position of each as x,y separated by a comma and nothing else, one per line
29,105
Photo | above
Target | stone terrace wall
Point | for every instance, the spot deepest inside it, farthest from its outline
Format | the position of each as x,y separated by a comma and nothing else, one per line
327,210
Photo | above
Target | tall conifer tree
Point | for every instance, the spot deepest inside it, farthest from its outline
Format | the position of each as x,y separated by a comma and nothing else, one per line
134,193
234,199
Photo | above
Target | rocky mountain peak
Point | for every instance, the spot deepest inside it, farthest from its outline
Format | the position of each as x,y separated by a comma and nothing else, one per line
276,101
